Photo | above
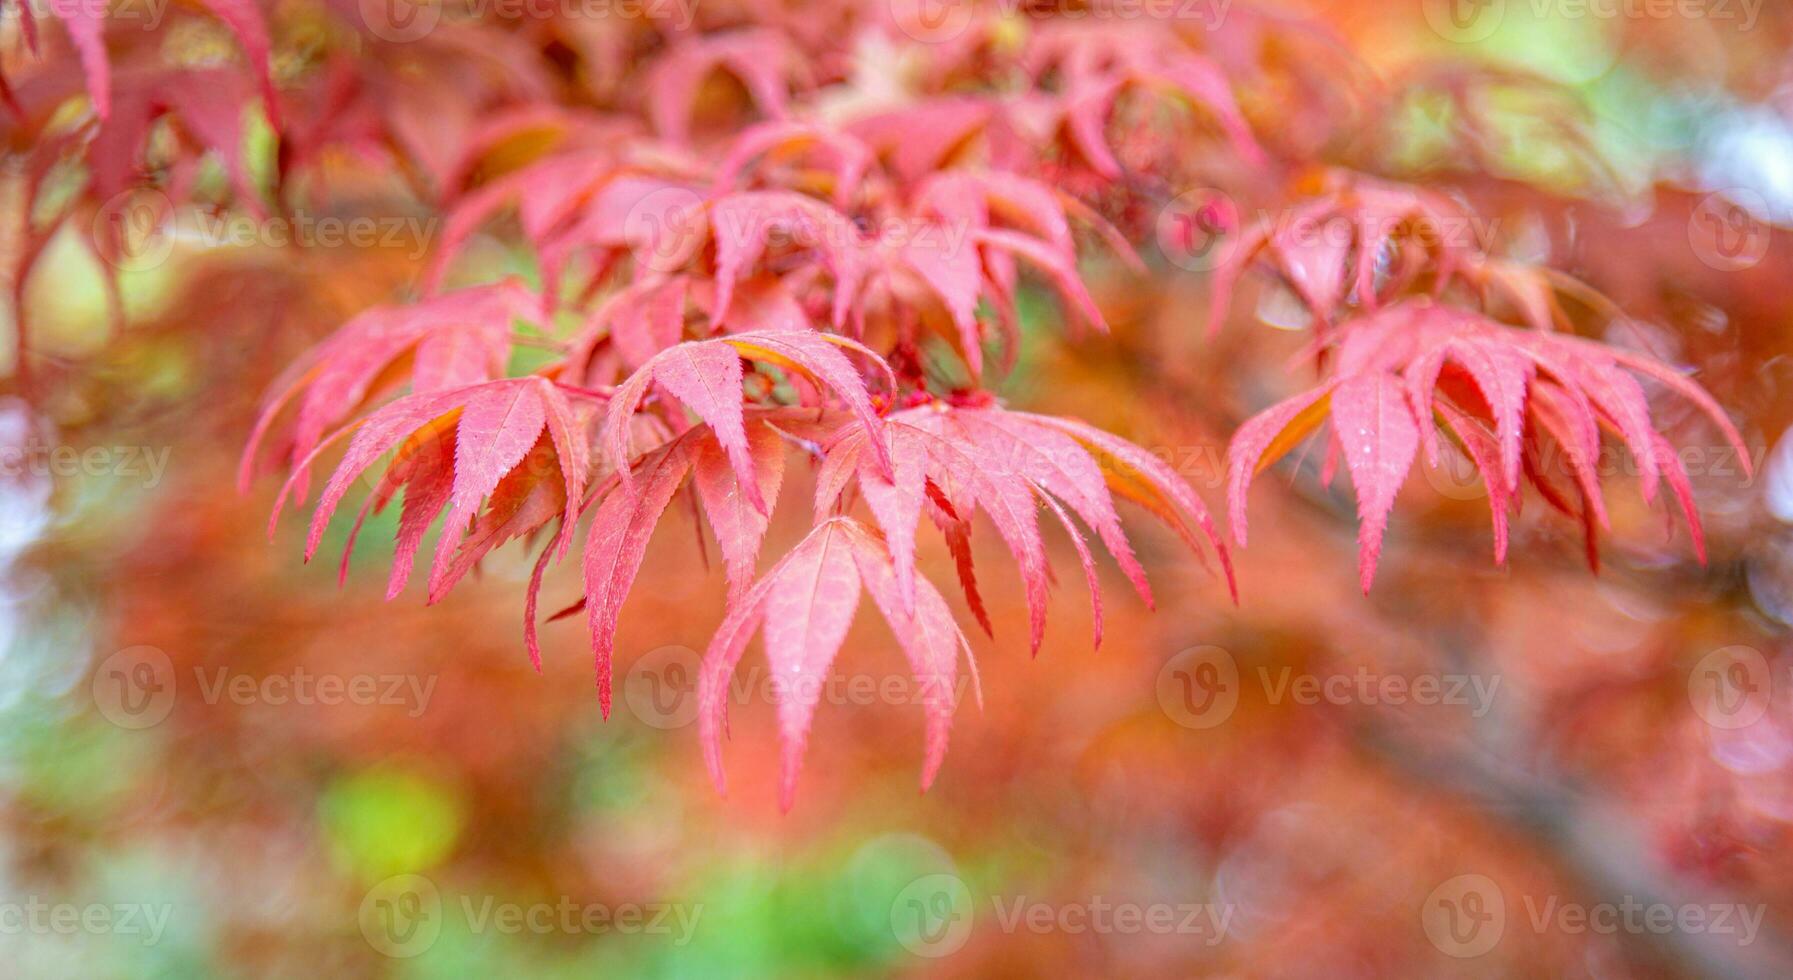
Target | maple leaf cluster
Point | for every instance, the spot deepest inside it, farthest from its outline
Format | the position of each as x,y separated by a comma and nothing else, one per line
1417,352
733,278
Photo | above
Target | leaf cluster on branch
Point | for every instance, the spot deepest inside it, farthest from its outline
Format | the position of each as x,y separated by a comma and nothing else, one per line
733,277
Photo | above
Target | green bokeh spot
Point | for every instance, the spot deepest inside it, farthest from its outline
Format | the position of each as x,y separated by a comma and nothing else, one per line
386,821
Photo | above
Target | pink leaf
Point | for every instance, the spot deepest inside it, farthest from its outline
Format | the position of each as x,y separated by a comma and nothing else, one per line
819,356
1676,475
373,437
1263,439
706,377
761,59
1679,383
849,157
617,542
952,273
499,423
738,526
1483,450
742,223
1089,567
464,337
86,26
931,642
896,503
1059,465
1146,480
245,20
1059,267
917,139
1379,436
808,610
1501,373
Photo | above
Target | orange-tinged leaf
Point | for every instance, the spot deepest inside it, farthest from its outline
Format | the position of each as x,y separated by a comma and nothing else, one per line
1265,438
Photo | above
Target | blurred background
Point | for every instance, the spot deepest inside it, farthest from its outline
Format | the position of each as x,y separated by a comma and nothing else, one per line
216,762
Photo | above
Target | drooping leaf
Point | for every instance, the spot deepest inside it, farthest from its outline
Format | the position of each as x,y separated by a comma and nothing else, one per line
805,604
616,543
738,525
954,462
1379,436
808,610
